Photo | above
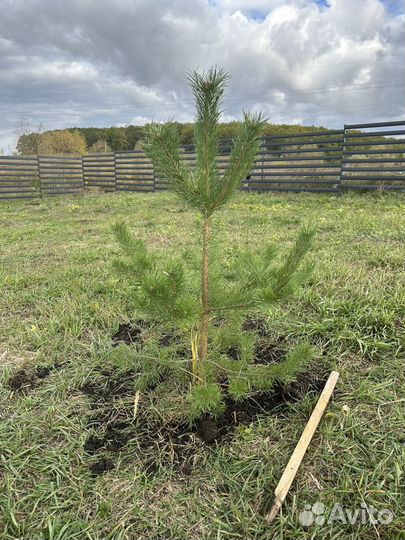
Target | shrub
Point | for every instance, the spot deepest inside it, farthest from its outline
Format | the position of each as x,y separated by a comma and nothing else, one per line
62,142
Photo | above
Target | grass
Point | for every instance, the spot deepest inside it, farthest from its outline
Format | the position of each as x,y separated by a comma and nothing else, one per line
60,304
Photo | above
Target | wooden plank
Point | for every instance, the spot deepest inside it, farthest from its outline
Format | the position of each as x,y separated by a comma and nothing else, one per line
290,471
58,158
376,133
15,177
293,190
17,197
381,187
64,184
298,166
32,190
376,178
293,174
309,134
388,142
376,124
284,181
303,143
372,169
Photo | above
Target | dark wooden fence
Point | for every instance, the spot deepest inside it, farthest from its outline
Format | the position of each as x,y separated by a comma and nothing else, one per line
357,157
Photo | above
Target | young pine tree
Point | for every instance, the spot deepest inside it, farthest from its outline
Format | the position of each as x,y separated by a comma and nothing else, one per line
167,290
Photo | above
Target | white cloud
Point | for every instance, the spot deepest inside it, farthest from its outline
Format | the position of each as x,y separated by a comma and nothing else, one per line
105,62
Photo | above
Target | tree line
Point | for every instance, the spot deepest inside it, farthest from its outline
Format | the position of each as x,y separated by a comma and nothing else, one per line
114,139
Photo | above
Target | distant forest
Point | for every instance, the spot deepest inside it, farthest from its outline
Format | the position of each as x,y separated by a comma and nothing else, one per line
114,139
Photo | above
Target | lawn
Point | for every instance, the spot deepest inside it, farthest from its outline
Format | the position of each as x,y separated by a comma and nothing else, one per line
77,459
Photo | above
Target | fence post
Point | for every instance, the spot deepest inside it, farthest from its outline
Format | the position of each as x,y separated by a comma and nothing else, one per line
83,177
261,151
342,154
39,177
115,171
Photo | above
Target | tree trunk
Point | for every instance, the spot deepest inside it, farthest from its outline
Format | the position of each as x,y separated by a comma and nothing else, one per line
204,299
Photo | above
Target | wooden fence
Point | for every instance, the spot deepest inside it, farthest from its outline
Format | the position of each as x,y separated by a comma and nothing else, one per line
358,157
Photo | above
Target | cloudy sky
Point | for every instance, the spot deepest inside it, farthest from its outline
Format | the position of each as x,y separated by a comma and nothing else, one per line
115,62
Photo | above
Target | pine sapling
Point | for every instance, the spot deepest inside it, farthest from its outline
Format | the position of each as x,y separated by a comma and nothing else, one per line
165,288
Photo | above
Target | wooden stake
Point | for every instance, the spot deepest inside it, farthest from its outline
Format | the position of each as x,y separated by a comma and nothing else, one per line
290,471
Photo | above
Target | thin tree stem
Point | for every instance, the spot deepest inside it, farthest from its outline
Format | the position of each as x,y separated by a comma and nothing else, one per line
205,300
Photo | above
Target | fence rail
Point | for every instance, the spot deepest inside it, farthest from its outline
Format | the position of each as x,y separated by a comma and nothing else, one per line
357,157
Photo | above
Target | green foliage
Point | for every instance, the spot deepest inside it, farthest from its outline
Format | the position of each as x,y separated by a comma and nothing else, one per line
204,188
129,137
242,156
62,142
244,376
161,144
28,143
258,279
166,287
205,399
99,147
296,360
159,285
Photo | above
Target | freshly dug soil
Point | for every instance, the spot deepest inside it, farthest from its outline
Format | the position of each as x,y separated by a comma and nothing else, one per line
257,325
22,380
27,378
112,428
135,332
129,333
267,353
101,466
169,338
110,383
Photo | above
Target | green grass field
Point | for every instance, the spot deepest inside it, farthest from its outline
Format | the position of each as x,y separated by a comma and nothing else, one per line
60,304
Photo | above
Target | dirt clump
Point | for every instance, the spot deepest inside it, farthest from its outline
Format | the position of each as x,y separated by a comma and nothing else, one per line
28,378
128,333
22,380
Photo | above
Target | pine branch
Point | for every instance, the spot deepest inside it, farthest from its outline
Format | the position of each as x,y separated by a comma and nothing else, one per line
284,277
160,285
242,158
127,242
161,145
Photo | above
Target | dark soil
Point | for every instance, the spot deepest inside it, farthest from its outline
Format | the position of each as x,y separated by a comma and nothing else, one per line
219,321
257,325
22,380
249,409
112,428
183,352
169,338
27,378
109,383
101,466
233,352
266,353
42,372
129,333
137,331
